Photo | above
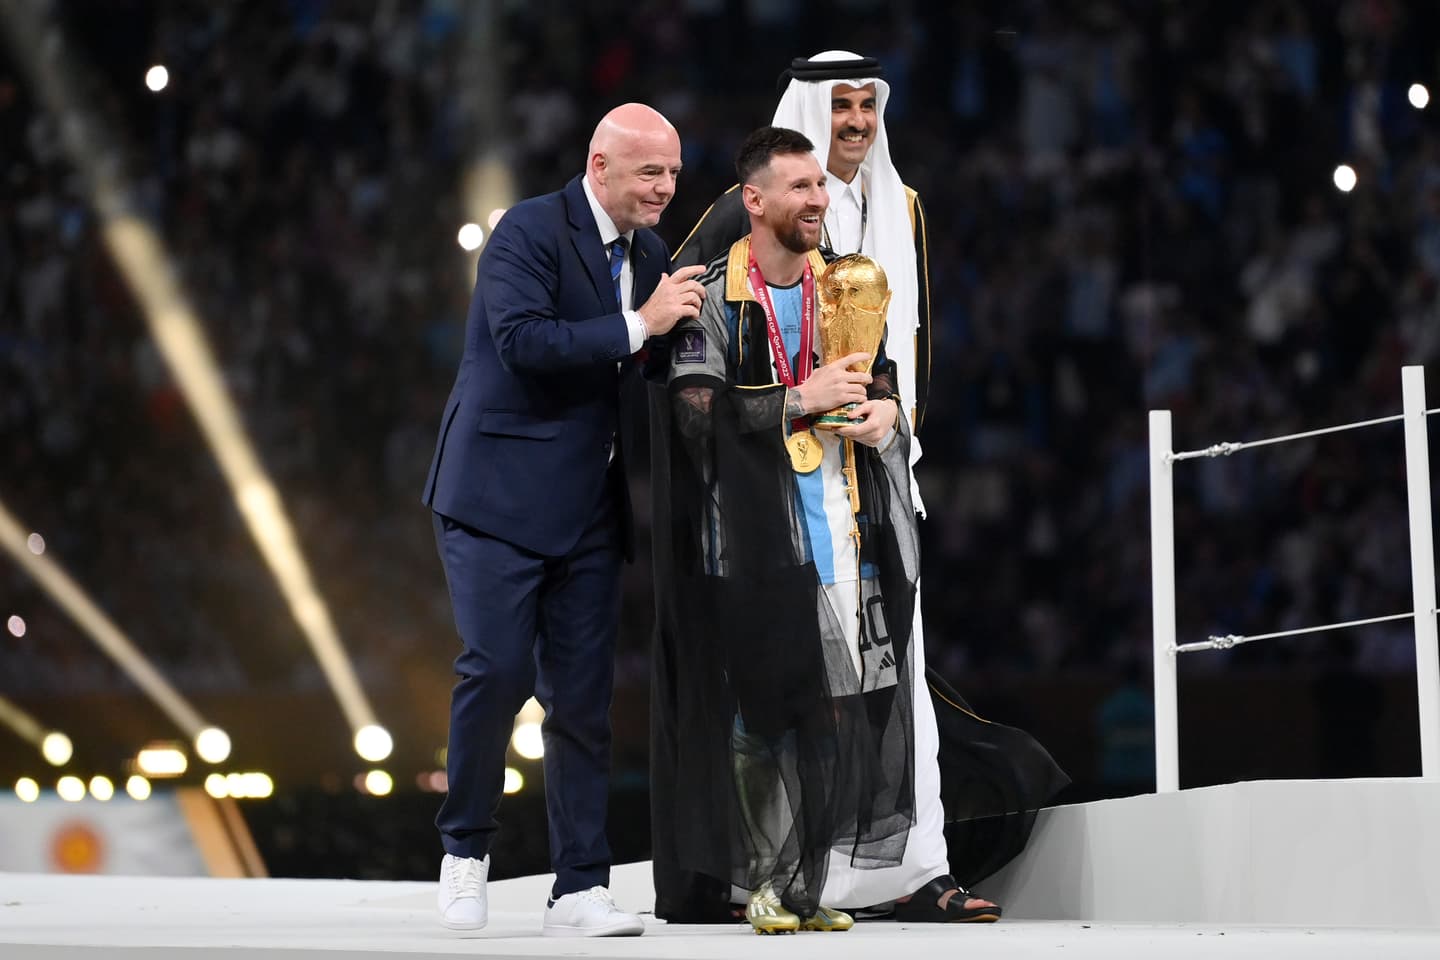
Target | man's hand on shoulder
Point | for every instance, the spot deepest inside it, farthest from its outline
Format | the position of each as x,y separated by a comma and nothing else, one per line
677,297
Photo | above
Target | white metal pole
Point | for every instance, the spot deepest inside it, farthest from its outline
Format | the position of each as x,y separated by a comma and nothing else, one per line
1422,567
1162,587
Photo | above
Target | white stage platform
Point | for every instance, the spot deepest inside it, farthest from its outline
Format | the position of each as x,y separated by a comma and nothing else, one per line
1332,852
1115,880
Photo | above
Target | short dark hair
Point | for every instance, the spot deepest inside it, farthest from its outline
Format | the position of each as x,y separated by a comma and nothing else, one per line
767,142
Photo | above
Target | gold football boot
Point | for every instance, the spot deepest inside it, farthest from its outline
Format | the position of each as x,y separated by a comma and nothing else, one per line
827,919
767,914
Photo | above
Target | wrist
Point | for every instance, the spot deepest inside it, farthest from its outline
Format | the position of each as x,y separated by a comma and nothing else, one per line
636,331
894,413
794,404
892,435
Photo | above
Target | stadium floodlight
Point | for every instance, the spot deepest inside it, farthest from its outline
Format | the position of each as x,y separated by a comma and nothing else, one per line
212,745
162,760
1419,96
526,738
27,790
102,788
528,741
514,780
1345,178
257,786
157,78
71,789
379,783
471,236
216,786
373,743
138,787
57,748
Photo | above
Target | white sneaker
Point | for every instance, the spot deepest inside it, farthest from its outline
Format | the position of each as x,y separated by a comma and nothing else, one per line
590,913
462,892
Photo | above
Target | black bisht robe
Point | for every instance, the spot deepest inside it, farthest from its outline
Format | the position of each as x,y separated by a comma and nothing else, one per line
748,642
711,629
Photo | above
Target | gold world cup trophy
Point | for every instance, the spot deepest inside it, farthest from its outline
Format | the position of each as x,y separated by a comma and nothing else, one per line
854,296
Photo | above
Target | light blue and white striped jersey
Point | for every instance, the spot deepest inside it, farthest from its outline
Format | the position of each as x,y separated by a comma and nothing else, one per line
824,502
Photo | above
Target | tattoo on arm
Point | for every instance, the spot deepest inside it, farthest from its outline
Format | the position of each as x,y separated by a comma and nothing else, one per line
701,398
794,409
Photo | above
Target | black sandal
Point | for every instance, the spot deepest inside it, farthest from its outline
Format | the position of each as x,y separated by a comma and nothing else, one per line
924,905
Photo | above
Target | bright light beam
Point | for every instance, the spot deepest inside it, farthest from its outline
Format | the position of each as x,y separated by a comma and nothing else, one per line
149,270
27,728
90,618
176,329
211,743
488,183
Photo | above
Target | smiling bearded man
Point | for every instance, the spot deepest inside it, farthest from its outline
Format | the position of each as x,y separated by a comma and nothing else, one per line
774,539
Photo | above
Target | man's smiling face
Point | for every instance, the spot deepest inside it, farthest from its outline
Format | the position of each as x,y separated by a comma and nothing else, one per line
853,122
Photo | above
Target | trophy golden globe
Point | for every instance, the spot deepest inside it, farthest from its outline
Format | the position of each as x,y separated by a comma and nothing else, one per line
854,296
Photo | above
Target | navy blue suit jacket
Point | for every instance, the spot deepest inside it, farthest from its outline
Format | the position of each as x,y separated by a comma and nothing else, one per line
527,432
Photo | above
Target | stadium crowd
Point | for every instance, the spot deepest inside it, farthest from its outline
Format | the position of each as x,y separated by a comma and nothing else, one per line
1131,207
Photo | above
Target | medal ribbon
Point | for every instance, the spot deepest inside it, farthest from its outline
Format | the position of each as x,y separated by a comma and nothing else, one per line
772,329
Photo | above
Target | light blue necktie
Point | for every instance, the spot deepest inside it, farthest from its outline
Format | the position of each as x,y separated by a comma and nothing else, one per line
617,263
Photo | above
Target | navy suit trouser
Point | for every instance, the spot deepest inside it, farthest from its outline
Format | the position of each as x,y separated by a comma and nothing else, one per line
530,622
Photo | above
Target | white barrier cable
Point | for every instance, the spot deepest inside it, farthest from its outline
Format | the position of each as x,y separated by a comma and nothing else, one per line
1225,449
1422,570
1233,640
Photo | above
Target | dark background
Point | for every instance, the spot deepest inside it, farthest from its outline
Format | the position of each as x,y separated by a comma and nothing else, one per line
1130,208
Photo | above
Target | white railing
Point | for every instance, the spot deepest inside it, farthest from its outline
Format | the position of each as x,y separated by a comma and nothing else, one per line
1422,574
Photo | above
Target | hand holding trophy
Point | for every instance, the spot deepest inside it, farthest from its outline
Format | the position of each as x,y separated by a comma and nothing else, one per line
854,296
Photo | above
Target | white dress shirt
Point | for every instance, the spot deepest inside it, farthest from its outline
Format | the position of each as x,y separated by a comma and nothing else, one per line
608,235
845,220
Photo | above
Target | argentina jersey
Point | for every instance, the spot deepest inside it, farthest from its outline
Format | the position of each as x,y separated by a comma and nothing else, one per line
824,504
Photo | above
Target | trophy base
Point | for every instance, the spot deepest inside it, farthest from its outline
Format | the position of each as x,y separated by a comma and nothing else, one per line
836,418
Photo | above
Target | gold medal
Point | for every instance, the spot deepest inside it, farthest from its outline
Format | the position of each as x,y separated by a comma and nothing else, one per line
805,451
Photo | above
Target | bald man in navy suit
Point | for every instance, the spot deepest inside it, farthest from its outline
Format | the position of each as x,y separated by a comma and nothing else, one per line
531,509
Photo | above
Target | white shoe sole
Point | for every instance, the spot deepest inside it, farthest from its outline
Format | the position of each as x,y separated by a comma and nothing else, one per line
463,924
626,929
462,927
